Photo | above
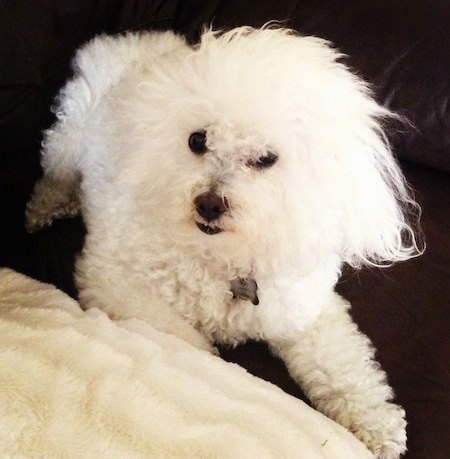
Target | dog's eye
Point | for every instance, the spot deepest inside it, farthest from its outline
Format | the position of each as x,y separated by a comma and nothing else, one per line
263,162
197,142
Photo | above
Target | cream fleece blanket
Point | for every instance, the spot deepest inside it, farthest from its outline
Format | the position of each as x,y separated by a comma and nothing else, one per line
75,384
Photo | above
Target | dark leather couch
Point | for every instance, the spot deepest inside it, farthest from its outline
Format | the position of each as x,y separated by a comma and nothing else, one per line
402,47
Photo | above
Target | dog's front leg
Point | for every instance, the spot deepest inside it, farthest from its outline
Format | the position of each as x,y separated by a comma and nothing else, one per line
333,363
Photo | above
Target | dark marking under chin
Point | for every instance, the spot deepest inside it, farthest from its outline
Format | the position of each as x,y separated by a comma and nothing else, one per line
245,289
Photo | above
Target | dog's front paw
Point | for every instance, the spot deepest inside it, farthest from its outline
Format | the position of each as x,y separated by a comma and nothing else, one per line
383,430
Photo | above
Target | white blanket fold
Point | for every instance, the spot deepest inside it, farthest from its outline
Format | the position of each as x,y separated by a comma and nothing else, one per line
76,384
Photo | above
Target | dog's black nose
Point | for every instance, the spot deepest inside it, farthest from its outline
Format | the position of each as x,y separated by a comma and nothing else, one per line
210,205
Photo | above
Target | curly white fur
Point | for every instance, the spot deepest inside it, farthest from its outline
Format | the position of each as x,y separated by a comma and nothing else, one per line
330,193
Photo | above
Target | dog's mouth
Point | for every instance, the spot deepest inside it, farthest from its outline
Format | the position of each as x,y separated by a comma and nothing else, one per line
208,229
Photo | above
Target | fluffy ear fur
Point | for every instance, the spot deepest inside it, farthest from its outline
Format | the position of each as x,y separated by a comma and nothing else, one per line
380,216
376,209
377,212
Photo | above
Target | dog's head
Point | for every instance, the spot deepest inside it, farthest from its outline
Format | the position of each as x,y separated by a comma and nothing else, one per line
264,141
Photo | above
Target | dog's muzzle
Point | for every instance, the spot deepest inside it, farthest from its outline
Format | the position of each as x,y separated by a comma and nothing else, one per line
210,206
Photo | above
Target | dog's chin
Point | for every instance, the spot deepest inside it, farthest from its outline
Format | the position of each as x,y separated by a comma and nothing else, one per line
208,229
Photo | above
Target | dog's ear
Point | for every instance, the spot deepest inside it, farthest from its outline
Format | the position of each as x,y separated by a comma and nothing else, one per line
379,214
341,139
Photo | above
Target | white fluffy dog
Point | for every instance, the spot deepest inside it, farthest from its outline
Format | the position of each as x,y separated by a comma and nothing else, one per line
223,187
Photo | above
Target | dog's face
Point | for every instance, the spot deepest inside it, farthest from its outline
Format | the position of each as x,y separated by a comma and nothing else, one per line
212,207
235,169
241,189
263,143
